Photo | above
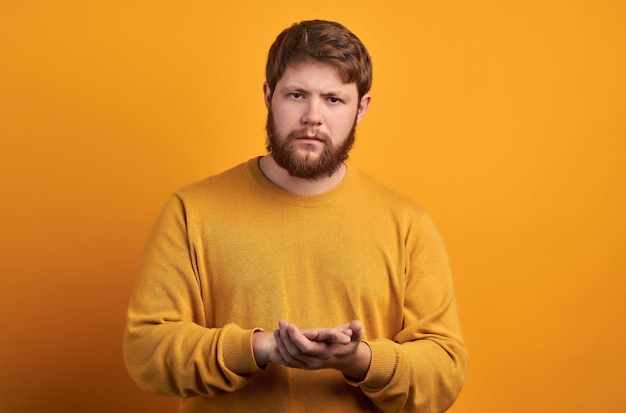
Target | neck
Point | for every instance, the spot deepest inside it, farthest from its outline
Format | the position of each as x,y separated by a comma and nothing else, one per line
299,186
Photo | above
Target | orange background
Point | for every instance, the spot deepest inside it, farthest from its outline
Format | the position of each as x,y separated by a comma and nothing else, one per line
505,119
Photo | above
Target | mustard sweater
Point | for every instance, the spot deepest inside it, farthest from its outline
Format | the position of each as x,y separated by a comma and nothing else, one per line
234,253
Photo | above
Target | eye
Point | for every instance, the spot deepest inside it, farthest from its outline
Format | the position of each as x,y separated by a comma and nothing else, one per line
333,99
296,95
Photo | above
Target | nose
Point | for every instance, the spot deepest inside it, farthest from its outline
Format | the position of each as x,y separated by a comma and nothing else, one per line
312,116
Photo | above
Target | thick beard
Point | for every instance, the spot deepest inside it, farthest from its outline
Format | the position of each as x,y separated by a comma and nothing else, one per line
329,161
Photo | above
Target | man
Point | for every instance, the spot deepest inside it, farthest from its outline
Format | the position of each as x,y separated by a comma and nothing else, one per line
293,282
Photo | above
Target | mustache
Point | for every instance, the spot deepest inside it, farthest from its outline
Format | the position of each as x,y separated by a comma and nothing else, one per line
308,134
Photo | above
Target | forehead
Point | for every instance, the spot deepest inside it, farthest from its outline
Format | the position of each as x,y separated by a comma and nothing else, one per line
315,77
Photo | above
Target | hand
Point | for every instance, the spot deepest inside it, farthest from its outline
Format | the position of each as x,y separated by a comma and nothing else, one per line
342,334
264,349
339,347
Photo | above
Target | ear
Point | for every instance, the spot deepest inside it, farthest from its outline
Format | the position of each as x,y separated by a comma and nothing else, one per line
267,93
364,103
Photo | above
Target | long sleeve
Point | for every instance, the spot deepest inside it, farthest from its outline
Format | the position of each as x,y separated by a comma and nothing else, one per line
233,254
423,368
168,348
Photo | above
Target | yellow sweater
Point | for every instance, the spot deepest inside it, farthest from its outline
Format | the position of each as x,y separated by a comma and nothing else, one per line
234,253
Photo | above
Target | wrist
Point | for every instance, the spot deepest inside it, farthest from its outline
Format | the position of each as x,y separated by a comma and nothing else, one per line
261,347
357,368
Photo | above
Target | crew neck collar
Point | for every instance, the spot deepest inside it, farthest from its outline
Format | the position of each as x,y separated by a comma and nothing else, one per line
307,201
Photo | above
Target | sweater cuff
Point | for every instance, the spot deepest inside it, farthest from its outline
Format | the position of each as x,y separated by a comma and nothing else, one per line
382,366
237,350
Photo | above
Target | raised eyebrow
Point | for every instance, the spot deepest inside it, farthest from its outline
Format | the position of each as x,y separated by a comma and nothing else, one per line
336,94
293,89
300,89
289,89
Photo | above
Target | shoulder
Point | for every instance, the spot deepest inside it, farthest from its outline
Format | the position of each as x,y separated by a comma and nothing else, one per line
378,193
214,193
225,182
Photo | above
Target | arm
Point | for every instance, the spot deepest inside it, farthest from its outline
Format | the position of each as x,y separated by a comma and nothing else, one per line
423,367
168,348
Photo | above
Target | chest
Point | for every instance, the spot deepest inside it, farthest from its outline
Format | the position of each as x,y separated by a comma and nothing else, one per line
300,264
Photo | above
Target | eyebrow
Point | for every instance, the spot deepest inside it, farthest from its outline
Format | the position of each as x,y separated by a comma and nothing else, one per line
299,89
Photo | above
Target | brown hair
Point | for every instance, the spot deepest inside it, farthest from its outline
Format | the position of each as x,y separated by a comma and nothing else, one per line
320,41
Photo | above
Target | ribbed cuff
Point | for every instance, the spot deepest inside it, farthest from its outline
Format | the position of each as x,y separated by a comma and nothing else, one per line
382,366
237,350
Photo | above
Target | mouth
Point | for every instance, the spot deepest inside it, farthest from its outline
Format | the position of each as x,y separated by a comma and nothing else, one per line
307,138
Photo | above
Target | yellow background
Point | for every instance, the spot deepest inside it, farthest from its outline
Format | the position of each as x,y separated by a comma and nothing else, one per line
505,119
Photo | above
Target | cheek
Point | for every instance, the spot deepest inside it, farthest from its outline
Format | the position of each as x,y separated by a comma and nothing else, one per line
342,125
284,116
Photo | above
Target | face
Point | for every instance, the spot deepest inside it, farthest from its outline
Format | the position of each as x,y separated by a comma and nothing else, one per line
312,115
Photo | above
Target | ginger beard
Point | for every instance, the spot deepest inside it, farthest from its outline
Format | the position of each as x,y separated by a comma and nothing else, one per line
311,168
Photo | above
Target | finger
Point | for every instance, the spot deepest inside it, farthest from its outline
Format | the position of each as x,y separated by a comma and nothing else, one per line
286,356
311,334
327,334
357,328
296,344
280,347
307,351
286,339
296,341
339,335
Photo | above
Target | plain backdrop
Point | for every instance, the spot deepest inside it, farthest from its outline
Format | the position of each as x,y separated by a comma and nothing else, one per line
504,119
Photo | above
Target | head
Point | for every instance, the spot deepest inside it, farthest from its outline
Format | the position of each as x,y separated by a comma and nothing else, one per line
312,59
324,42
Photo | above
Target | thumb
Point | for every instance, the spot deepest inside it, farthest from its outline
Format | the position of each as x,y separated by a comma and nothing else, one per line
357,330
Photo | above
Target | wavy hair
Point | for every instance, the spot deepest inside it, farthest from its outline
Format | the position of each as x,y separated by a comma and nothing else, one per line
320,41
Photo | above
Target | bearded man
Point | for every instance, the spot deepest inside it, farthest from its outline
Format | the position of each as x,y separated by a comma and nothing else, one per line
294,282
